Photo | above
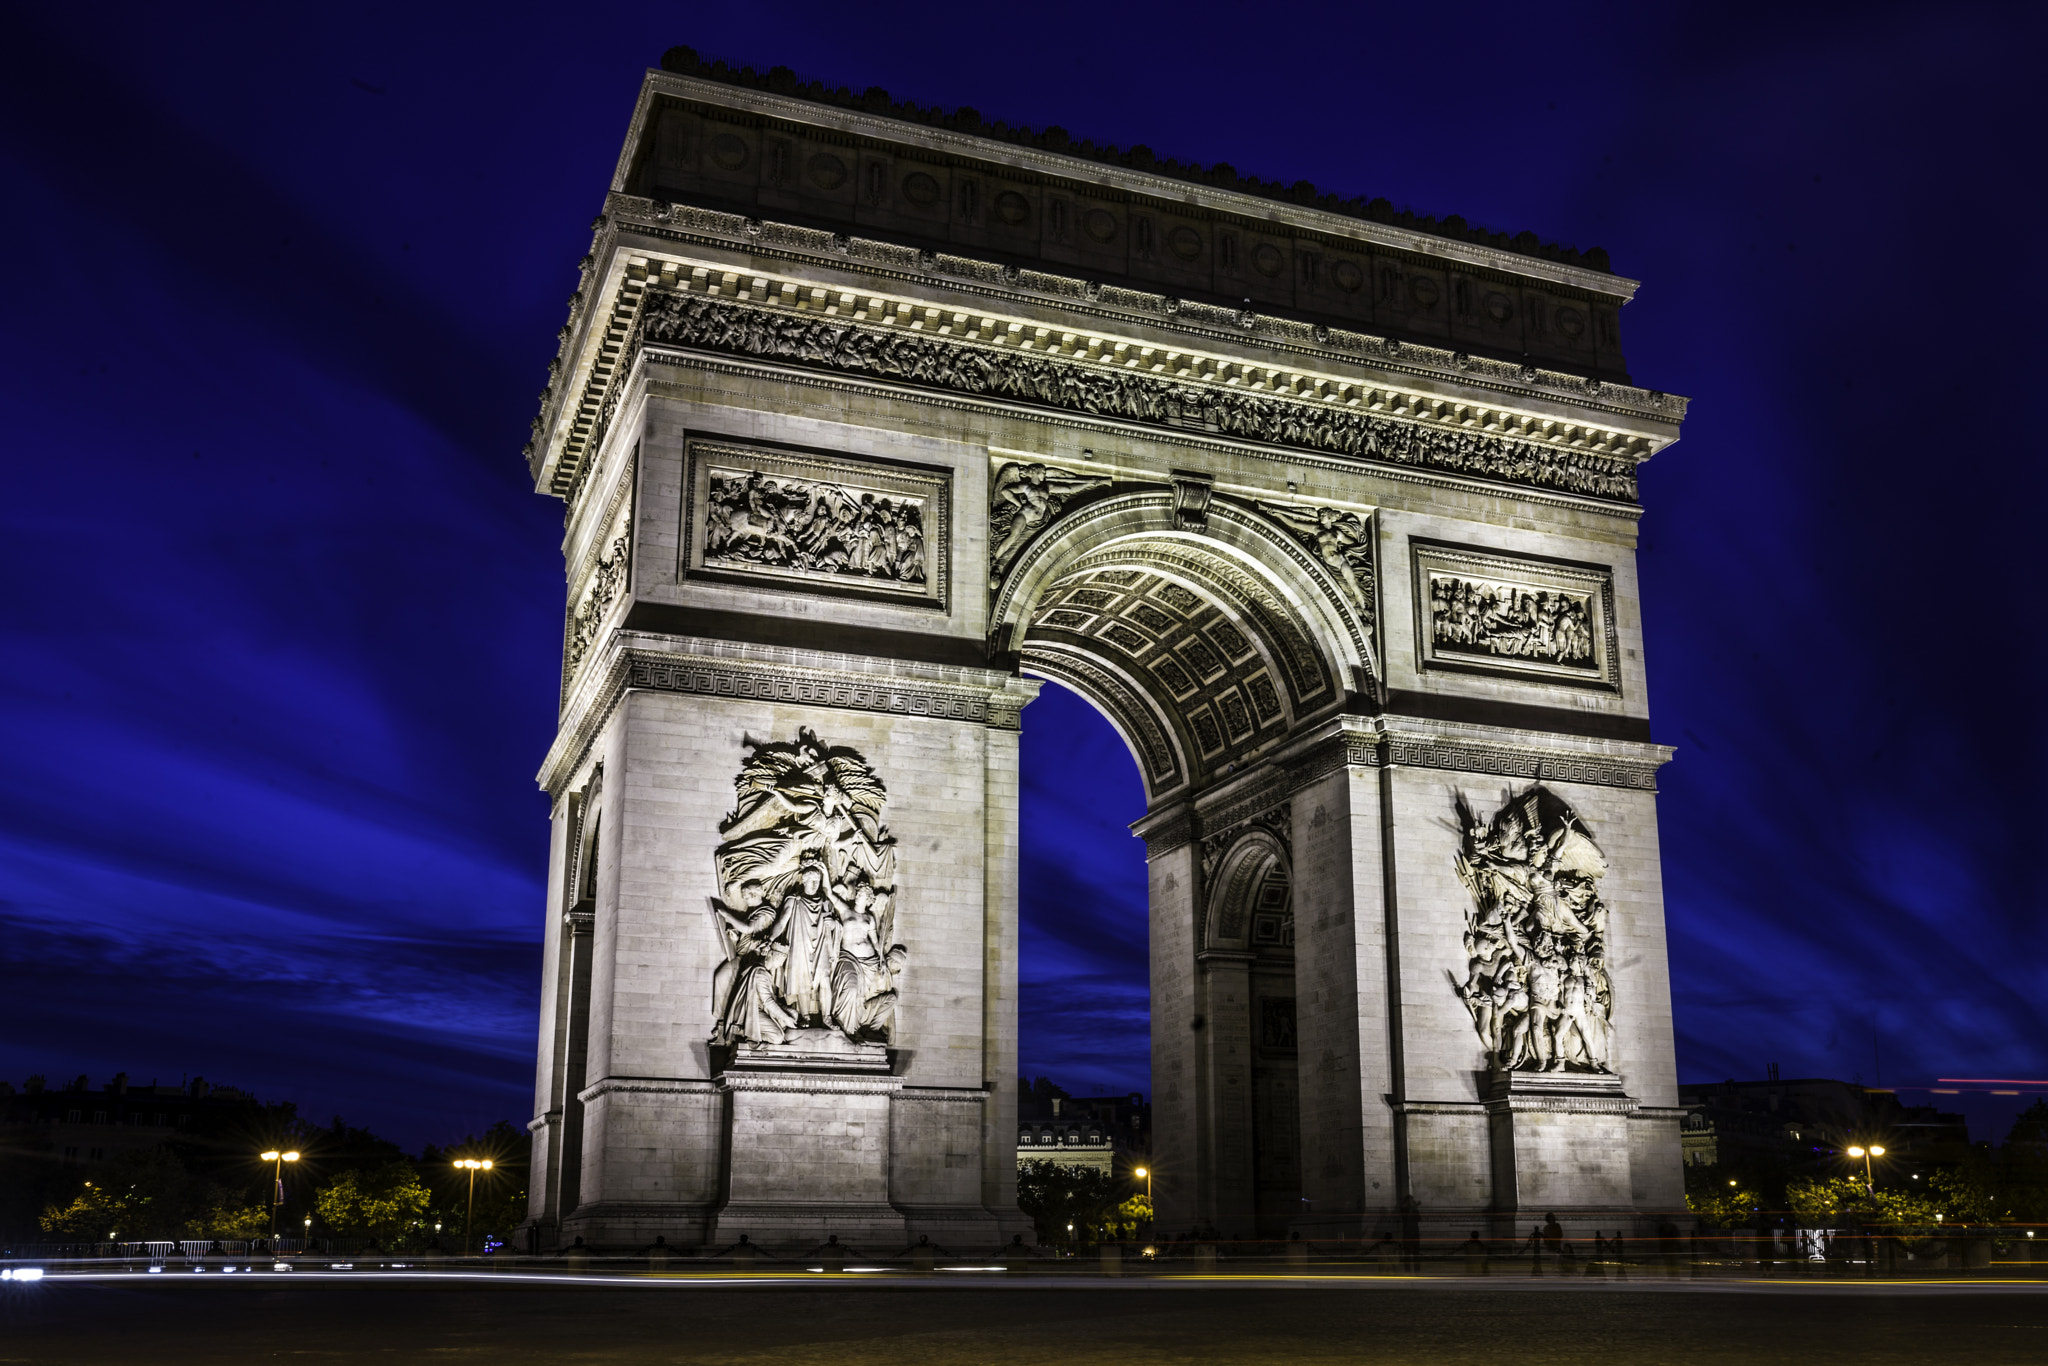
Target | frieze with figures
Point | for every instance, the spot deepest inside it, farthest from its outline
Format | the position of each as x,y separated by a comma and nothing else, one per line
920,358
1530,617
828,523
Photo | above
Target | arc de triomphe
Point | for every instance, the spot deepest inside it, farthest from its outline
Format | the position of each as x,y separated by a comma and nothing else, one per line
867,418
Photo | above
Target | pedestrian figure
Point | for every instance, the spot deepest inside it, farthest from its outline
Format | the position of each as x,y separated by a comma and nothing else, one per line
1475,1255
1535,1249
1596,1265
1618,1256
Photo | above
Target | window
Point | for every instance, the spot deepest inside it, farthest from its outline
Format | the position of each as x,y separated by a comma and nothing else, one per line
99,1116
73,1116
98,1153
71,1154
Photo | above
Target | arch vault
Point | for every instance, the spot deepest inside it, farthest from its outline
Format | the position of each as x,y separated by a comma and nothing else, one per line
864,427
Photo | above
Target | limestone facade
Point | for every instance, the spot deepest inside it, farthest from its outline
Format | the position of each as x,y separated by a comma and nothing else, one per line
829,471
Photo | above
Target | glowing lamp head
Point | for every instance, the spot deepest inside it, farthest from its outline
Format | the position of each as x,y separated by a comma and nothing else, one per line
272,1157
1855,1152
1143,1172
487,1164
1876,1151
291,1157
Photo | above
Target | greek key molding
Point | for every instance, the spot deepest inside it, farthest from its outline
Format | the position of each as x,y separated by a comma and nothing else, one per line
997,703
1624,1106
1168,835
1511,761
1339,751
809,1083
647,1086
942,1095
1107,389
662,673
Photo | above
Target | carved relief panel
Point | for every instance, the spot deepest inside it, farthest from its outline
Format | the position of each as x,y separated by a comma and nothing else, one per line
837,525
1536,978
1516,616
599,580
806,910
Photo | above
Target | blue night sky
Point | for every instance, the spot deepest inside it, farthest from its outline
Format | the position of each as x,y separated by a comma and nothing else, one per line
282,638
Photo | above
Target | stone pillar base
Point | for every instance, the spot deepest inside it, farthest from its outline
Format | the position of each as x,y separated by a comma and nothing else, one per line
1561,1146
809,1151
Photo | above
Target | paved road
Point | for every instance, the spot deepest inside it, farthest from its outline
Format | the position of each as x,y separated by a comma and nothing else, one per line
169,1320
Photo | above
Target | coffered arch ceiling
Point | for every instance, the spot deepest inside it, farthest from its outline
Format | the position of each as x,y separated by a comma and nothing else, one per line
1206,648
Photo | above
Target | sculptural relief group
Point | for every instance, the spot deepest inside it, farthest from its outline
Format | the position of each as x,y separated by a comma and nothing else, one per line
1511,621
1536,937
755,520
920,358
806,911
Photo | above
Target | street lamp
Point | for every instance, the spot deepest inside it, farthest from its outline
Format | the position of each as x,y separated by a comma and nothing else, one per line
1869,1186
1151,1215
277,1160
472,1166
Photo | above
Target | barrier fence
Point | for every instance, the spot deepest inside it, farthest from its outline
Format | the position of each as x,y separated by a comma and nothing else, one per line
1821,1254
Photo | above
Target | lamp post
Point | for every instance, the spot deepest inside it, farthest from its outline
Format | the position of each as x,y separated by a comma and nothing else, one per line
472,1166
277,1160
1869,1184
1151,1215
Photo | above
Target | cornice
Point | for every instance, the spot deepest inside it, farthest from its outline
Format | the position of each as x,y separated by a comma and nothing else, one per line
772,673
810,1083
651,1086
1562,1105
944,1095
566,433
1026,287
1119,179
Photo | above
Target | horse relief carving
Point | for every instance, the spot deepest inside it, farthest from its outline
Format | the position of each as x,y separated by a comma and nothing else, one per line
753,520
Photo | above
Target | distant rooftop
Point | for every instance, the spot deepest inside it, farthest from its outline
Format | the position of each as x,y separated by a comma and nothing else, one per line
875,100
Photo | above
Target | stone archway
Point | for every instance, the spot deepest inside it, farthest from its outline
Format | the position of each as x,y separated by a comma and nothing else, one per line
852,458
1208,642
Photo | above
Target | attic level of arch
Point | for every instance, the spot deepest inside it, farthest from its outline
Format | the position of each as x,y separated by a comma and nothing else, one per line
812,176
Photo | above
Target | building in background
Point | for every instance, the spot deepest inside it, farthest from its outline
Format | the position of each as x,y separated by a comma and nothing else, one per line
75,1123
1104,1133
1793,1121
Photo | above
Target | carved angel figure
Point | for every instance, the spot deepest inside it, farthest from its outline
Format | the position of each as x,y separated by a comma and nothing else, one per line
811,868
1535,941
1024,500
1342,542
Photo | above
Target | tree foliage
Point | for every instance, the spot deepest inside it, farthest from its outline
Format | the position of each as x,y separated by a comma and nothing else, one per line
1724,1206
1056,1194
386,1201
149,1194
